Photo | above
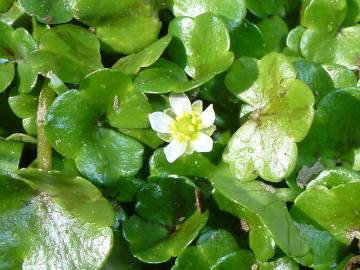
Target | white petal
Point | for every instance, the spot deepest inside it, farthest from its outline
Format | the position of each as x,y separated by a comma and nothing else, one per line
203,143
174,150
197,107
180,103
160,122
208,117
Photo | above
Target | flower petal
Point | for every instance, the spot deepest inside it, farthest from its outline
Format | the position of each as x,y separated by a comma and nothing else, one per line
174,150
180,103
207,117
203,143
197,107
160,122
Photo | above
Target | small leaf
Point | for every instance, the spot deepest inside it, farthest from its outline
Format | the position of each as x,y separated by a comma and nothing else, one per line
164,77
263,8
125,27
341,76
132,64
215,250
10,154
49,11
5,5
201,37
42,211
232,11
274,31
166,220
7,72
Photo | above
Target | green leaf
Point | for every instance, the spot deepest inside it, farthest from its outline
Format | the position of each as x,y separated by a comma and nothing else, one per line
274,31
49,11
121,257
69,51
7,72
195,164
126,26
263,8
5,5
248,40
132,64
195,40
315,77
216,250
282,112
10,154
242,74
232,11
260,199
164,77
294,38
12,15
15,45
331,203
342,77
166,220
323,14
335,129
261,241
280,263
71,130
53,220
339,46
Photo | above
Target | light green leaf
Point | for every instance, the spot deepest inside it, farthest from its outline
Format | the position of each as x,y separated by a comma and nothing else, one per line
282,112
195,40
132,64
10,154
233,11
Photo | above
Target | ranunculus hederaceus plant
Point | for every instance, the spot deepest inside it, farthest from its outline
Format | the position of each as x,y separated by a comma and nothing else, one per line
182,134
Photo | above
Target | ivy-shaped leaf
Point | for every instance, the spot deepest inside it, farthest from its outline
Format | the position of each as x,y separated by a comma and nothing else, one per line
15,45
263,8
233,11
262,200
217,250
282,112
195,40
75,119
126,26
10,154
331,203
341,76
274,31
69,51
326,40
53,220
166,221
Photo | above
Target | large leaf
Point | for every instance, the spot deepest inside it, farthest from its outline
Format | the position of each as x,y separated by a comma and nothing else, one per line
53,221
195,40
331,203
69,51
232,10
262,201
125,26
215,250
102,154
166,220
282,112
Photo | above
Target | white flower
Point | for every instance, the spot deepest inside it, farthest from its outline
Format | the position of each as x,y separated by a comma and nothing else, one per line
186,127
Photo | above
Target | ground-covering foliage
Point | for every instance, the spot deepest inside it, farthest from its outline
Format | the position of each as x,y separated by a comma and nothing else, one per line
179,134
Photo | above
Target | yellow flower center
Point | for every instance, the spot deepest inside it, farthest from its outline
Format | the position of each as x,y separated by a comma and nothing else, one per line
186,127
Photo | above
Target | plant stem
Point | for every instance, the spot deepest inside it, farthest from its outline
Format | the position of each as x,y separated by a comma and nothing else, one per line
44,152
